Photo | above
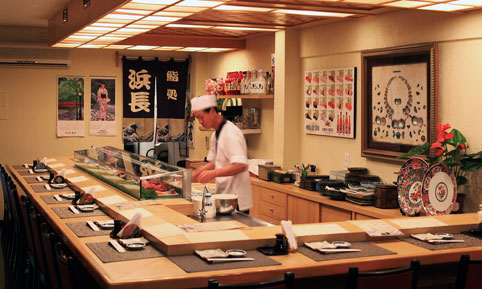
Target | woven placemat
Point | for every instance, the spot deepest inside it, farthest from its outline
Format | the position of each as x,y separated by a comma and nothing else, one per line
33,180
367,250
81,229
42,189
468,242
50,200
20,167
107,254
65,213
26,172
193,263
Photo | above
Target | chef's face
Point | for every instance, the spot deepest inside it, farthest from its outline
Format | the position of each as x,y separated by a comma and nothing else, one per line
205,118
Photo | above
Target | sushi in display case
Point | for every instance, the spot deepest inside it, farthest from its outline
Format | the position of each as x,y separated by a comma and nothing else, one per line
139,176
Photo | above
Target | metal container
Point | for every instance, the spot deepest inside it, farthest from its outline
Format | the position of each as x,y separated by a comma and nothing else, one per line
264,171
225,203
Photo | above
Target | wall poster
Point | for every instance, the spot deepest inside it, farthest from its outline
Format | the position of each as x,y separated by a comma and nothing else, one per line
70,106
329,102
102,106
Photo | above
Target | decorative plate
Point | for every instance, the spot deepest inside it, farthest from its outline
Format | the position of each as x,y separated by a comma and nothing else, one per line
439,190
409,186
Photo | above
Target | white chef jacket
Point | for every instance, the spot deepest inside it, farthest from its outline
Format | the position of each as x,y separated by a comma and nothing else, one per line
231,148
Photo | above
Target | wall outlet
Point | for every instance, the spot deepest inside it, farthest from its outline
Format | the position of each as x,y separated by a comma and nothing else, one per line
347,160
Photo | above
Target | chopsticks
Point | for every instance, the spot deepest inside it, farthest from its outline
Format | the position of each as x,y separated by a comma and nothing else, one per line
435,241
219,260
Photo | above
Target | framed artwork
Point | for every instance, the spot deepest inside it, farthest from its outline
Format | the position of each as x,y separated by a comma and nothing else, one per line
329,102
70,106
102,106
399,99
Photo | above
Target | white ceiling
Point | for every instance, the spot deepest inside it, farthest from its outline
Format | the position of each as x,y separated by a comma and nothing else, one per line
34,13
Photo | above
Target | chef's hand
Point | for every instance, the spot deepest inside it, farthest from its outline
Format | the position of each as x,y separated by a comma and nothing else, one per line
206,175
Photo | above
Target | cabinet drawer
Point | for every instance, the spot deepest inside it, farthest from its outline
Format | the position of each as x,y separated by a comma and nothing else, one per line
332,214
273,210
274,197
270,219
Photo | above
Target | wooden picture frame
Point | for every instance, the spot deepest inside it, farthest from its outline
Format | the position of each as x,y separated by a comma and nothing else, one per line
399,99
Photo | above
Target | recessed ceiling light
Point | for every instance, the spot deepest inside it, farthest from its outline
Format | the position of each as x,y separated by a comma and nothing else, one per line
168,48
445,7
467,2
165,2
243,8
142,47
407,4
187,26
312,13
92,46
191,49
117,46
245,28
123,16
199,3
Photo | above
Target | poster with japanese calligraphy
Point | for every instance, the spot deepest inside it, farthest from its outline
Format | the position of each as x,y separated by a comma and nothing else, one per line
329,102
147,81
102,106
70,106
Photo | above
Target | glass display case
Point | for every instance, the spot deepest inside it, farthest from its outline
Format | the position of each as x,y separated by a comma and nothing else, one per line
139,176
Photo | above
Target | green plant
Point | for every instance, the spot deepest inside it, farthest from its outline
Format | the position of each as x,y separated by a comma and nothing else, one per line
450,149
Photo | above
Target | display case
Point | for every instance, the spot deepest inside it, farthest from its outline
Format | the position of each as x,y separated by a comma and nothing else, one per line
139,176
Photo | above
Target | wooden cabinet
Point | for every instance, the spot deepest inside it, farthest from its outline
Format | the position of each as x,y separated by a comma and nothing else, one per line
254,211
272,205
273,197
332,214
358,216
301,211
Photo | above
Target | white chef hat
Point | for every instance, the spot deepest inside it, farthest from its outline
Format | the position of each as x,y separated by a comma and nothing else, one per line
202,102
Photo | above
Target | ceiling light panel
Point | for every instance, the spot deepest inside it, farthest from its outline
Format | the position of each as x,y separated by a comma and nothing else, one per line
142,47
445,7
99,24
149,7
133,11
312,13
199,3
130,31
245,28
161,18
367,1
243,8
123,16
91,46
97,29
468,2
66,45
185,9
172,14
117,46
157,2
217,49
187,26
407,4
114,21
168,48
142,26
192,49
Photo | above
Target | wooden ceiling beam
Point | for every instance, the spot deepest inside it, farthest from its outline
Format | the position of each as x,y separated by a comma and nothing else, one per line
184,41
78,17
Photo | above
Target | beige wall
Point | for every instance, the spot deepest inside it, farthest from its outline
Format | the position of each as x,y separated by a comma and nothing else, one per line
340,45
30,130
257,55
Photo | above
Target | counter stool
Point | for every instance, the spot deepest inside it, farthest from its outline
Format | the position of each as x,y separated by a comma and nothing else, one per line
287,282
49,238
468,273
40,261
400,278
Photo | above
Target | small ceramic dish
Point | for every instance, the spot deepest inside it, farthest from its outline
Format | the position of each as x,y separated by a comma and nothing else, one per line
236,253
45,178
40,170
341,244
59,186
87,208
68,196
109,224
135,246
445,236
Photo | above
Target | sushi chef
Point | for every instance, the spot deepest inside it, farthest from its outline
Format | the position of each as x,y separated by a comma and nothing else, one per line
227,156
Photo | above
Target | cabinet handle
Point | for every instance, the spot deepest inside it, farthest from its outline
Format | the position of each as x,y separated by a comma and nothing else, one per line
271,195
271,210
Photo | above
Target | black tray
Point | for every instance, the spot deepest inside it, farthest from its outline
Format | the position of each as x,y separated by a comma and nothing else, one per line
269,251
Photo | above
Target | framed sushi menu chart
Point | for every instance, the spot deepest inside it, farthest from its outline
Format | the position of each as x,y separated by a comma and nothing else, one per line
329,102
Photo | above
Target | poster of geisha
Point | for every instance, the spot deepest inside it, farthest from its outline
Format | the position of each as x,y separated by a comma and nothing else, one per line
102,106
329,102
70,106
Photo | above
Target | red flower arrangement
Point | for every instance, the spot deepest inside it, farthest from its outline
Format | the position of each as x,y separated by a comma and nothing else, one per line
450,149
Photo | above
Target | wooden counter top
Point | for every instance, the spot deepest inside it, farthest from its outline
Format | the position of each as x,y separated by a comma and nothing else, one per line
162,273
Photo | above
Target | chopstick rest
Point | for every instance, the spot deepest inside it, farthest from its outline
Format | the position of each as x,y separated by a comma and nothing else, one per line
47,186
117,246
73,209
93,226
58,198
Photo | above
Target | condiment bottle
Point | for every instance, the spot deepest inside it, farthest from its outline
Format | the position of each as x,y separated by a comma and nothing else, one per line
209,207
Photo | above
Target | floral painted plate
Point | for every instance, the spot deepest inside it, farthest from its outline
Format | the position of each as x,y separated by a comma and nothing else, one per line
439,190
409,186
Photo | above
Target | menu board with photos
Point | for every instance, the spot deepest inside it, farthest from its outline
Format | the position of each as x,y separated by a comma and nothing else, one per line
329,102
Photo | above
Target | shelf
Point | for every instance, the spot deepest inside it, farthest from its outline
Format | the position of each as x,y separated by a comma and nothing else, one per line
244,131
248,96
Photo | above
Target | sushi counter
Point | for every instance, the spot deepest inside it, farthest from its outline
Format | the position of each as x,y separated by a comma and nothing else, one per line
168,260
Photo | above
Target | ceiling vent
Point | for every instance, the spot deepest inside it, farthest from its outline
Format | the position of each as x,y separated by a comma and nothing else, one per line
45,57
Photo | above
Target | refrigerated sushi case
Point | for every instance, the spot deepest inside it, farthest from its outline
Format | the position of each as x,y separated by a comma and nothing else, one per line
139,176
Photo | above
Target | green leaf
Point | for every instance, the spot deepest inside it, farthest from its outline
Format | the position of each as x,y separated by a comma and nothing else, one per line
471,164
479,154
418,150
461,180
458,138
